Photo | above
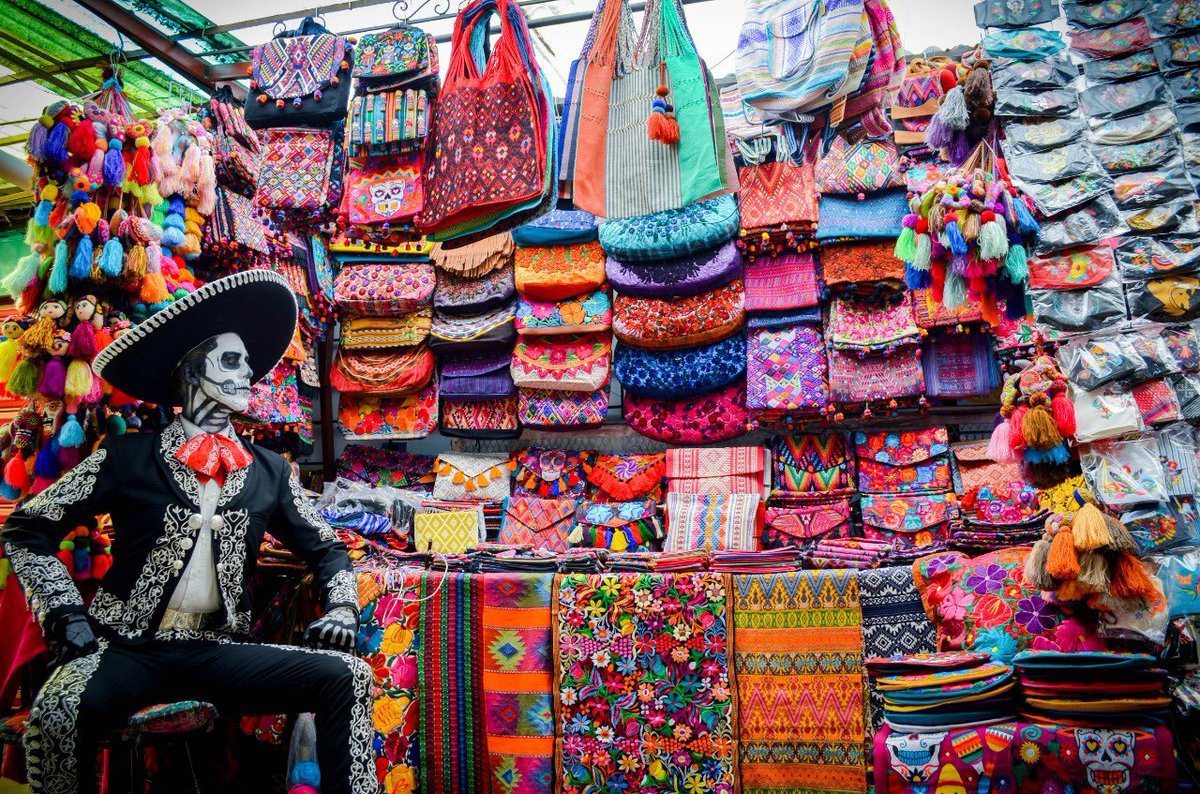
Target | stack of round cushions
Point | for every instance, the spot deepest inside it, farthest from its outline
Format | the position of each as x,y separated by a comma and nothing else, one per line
563,319
679,317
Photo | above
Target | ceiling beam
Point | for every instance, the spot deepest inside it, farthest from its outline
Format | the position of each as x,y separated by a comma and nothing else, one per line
177,57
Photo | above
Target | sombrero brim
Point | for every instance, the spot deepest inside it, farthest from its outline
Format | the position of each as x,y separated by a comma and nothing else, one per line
257,305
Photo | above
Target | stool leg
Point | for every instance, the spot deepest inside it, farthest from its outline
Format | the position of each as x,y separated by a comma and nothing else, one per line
187,748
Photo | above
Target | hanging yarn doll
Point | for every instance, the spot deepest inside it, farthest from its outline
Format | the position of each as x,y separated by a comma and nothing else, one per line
967,237
39,337
10,347
54,375
965,116
1037,423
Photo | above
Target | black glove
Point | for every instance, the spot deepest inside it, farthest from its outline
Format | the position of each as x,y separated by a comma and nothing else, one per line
337,630
71,638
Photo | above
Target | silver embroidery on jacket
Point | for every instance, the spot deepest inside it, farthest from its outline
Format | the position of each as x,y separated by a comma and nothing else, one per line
231,567
343,588
45,580
308,511
50,755
73,487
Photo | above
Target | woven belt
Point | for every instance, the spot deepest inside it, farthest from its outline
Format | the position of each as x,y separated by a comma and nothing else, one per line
196,621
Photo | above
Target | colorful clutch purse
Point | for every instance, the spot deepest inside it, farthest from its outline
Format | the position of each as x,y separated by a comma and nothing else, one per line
552,409
716,470
582,314
370,417
712,521
912,462
618,526
564,363
805,524
538,523
627,478
558,272
713,417
658,324
449,532
550,473
383,289
812,466
478,476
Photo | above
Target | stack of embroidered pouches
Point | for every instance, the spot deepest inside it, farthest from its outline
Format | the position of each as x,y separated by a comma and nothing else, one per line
1092,687
927,692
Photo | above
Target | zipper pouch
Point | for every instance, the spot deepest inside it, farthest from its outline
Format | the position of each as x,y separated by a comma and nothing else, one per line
1135,156
1033,75
1084,225
1153,188
1113,100
1146,257
1080,310
1055,197
1031,44
1134,129
1108,70
1058,102
1178,216
1102,14
1120,39
1014,14
1054,165
1033,136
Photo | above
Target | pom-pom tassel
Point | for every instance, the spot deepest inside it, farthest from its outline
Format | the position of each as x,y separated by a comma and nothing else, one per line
954,238
46,465
1063,411
954,294
58,271
83,341
1089,529
915,277
71,434
81,263
24,379
56,144
1122,540
10,351
114,164
1063,560
1035,566
1130,580
1093,572
79,379
993,242
54,379
82,141
999,448
1016,264
906,243
1026,224
16,475
1039,431
35,145
26,269
112,258
154,287
953,113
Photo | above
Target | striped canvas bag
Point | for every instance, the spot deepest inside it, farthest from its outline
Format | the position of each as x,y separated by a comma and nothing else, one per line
796,56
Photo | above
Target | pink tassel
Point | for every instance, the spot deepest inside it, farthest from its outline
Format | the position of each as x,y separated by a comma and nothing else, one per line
1064,414
999,448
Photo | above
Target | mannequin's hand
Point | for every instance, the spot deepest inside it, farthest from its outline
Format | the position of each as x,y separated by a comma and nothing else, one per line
72,638
336,631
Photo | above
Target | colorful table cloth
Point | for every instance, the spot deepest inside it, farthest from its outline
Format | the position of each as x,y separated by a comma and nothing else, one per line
453,749
798,666
387,640
646,697
518,679
1024,758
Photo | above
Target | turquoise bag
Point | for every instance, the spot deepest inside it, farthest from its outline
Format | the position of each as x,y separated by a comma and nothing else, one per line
691,229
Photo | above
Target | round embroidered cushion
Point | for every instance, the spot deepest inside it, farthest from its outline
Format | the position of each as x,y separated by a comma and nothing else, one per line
677,374
663,236
677,278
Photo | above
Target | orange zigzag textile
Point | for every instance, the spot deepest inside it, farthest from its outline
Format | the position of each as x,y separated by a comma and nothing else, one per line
798,666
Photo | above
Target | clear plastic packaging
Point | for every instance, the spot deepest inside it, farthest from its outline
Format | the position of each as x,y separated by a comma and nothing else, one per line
1097,361
1089,309
1104,413
1125,473
304,774
1084,225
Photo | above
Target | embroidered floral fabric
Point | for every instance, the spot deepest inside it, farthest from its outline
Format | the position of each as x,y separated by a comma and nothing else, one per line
564,363
370,418
625,478
558,272
677,374
383,289
911,462
581,314
713,417
626,648
687,322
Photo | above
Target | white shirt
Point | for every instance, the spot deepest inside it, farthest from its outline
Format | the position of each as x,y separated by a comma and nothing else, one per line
197,589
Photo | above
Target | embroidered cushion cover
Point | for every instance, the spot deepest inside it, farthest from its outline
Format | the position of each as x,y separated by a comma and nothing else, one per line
723,470
712,521
479,476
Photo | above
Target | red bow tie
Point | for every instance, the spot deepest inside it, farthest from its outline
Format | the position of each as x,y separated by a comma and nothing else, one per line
212,456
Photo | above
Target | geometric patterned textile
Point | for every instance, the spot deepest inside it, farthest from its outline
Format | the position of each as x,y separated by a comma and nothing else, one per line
518,678
387,640
452,733
645,696
893,621
786,369
798,665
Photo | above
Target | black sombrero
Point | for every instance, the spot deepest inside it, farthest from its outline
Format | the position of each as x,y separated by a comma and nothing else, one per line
257,305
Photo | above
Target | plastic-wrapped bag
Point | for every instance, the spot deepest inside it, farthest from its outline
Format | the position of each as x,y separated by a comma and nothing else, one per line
304,775
372,511
1097,361
1104,413
1124,473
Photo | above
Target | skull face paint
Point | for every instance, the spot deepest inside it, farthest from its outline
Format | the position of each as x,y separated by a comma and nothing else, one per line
227,375
1107,757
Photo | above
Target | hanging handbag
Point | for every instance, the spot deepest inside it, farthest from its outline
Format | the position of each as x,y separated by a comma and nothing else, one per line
708,419
863,326
627,478
811,466
385,333
557,227
538,523
717,522
861,379
716,470
498,102
919,99
460,295
585,313
572,362
855,164
787,369
295,169
300,79
867,105
395,57
490,330
804,524
488,418
383,289
384,189
848,264
671,234
478,476
697,320
476,259
960,365
778,193
475,376
677,278
448,531
550,473
909,522
369,417
909,463
781,282
559,272
879,215
679,374
554,409
618,526
392,373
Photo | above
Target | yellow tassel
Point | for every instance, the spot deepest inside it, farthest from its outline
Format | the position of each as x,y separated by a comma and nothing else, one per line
1089,530
79,378
1039,431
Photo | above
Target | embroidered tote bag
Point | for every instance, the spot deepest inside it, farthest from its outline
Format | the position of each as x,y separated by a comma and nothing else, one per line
295,168
448,532
482,477
627,478
713,417
787,369
369,417
300,78
678,374
554,409
585,313
911,462
716,470
550,473
498,102
678,278
572,362
658,324
395,57
538,523
859,165
712,521
558,272
811,466
909,522
618,526
383,289
804,524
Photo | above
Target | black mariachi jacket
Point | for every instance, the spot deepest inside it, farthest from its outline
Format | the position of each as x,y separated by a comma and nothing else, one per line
151,497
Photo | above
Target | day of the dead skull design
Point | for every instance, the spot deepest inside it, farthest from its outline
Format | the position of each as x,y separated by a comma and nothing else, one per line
220,381
915,755
1107,758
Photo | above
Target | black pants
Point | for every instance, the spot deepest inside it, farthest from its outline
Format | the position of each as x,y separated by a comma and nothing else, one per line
84,700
